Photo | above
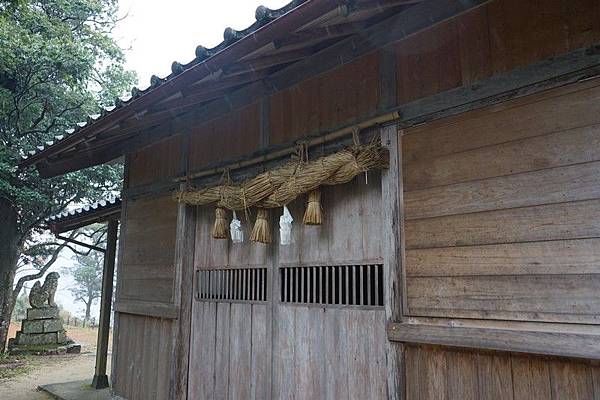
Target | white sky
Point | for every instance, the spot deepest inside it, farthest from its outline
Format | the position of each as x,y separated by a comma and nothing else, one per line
158,32
155,33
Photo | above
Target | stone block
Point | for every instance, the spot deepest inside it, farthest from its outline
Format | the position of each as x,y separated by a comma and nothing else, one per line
28,339
32,326
53,325
42,313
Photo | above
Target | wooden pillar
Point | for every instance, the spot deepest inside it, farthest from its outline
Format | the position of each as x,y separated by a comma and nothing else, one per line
391,194
100,380
183,296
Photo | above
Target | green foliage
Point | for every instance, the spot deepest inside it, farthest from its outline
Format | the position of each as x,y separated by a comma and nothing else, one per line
58,62
21,305
87,274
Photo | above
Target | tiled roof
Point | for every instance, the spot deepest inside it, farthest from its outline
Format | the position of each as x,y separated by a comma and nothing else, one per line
84,216
263,16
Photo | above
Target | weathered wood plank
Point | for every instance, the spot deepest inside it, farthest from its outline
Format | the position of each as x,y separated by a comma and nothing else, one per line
531,379
221,343
570,344
525,155
261,353
240,351
336,348
358,356
555,185
560,257
571,380
572,220
563,108
284,378
462,376
392,248
566,298
494,378
147,308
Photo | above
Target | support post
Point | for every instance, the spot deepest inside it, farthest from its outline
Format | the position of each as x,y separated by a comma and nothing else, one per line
391,197
100,380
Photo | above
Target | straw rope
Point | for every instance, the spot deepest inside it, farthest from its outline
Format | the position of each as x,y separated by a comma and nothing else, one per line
278,187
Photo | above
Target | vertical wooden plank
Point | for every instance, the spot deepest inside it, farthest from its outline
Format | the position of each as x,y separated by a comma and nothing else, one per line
495,376
336,349
596,381
358,355
163,352
240,351
261,354
116,361
205,341
284,378
571,380
393,277
377,367
413,372
433,376
302,361
183,297
462,376
222,332
531,378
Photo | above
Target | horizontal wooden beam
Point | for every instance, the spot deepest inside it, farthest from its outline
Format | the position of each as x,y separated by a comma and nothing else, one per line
147,308
267,61
320,33
379,5
550,342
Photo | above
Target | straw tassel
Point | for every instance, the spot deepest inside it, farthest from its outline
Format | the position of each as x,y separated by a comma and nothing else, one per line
313,214
261,232
221,226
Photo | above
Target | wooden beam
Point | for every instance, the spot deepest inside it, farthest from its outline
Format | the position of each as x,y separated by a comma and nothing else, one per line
183,297
147,308
119,267
100,380
320,33
380,5
271,60
563,342
391,204
223,82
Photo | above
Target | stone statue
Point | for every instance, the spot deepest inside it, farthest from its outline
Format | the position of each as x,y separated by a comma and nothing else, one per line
42,296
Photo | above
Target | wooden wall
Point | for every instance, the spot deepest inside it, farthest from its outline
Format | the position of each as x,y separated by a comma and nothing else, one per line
446,374
144,357
501,210
156,163
144,343
344,95
494,38
228,137
148,258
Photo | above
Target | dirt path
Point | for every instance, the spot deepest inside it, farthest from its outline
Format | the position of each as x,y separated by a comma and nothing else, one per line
47,370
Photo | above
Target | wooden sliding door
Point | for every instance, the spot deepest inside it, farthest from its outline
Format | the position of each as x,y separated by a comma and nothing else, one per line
300,321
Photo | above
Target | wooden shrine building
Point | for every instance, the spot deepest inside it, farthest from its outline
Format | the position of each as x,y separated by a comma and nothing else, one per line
445,155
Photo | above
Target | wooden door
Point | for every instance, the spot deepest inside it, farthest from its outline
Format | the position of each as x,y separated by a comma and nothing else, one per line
301,321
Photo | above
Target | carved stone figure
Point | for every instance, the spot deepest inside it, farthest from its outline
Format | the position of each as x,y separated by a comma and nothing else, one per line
42,296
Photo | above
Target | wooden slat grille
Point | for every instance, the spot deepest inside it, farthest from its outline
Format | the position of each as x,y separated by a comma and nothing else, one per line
347,285
239,284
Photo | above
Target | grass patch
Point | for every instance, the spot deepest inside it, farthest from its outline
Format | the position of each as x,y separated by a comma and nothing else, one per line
12,366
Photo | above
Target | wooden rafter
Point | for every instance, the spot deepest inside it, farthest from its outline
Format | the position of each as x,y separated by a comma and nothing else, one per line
315,34
261,63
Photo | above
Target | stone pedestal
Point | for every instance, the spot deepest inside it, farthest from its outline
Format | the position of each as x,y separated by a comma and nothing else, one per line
41,331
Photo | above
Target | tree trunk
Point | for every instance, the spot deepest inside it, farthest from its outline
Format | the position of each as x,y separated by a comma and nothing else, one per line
9,254
88,307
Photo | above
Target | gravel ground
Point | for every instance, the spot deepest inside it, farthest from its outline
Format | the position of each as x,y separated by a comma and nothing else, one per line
53,369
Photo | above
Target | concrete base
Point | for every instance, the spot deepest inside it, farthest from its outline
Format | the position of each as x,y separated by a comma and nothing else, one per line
79,390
